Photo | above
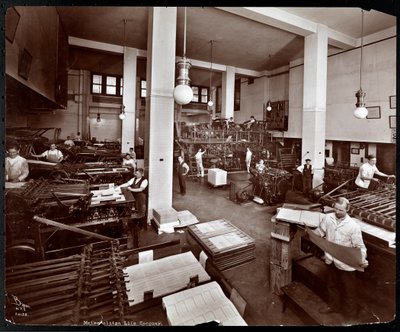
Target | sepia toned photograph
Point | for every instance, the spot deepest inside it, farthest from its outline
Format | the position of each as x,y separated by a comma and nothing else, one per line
199,166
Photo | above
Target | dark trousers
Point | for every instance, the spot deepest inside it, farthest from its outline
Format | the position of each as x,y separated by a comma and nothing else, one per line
307,184
182,183
342,286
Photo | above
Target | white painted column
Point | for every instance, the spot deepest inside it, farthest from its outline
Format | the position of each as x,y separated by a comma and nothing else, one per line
129,99
160,79
314,100
228,93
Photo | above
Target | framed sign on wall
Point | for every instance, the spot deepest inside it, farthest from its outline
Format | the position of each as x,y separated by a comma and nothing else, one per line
374,112
12,20
392,102
392,121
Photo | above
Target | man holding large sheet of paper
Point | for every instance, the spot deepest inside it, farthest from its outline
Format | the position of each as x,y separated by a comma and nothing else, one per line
345,252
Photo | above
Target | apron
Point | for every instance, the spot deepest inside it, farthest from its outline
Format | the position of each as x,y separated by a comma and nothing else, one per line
52,157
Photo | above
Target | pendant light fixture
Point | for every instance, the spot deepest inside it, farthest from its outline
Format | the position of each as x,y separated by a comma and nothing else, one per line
98,119
269,106
210,102
361,112
183,93
122,113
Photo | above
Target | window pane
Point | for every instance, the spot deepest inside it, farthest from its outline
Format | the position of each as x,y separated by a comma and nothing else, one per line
143,93
195,90
111,80
111,90
97,79
143,84
195,98
96,88
204,92
203,99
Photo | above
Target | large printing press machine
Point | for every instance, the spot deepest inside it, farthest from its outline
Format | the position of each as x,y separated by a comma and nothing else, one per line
44,216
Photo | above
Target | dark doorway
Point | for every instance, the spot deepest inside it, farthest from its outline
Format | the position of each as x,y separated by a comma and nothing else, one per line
386,158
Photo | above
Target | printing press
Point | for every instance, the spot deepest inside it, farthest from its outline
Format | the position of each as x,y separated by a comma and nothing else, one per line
271,185
44,217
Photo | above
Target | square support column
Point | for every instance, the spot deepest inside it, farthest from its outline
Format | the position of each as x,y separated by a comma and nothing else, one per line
228,93
159,138
314,100
129,99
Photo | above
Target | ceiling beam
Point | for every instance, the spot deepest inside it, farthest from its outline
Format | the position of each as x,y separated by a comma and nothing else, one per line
143,54
283,20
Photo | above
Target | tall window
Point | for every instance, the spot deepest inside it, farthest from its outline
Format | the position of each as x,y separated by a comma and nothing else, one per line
143,89
200,94
97,83
111,85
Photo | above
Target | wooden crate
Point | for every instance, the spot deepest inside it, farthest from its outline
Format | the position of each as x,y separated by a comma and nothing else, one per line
282,230
279,277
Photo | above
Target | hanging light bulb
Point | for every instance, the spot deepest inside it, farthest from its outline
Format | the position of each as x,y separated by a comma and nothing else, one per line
122,114
361,112
210,103
183,93
269,106
98,119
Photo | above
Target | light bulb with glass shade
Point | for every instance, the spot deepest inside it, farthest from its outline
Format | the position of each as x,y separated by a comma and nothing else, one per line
183,93
122,114
210,103
361,112
269,106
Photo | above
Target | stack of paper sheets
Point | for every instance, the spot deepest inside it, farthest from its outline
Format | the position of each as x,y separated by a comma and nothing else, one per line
186,218
201,304
226,245
301,217
164,276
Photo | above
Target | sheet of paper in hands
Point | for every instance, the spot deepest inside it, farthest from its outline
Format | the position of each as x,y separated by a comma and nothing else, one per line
301,217
348,255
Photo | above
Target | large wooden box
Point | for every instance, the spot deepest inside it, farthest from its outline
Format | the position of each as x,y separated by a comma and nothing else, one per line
279,277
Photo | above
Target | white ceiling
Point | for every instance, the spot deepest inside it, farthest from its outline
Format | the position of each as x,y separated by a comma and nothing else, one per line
240,41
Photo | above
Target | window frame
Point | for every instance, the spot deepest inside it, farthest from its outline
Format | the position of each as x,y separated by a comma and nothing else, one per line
199,95
104,85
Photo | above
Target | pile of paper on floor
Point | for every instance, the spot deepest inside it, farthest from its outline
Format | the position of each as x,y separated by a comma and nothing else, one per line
201,304
165,219
186,218
226,245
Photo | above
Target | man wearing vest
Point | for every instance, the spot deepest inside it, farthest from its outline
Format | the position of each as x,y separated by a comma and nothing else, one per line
183,170
308,172
138,187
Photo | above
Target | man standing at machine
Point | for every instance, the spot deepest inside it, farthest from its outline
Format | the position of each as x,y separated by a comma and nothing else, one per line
138,187
52,155
365,178
341,229
17,169
307,170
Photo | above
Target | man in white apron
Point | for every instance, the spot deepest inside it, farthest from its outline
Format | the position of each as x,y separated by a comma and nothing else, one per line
53,155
